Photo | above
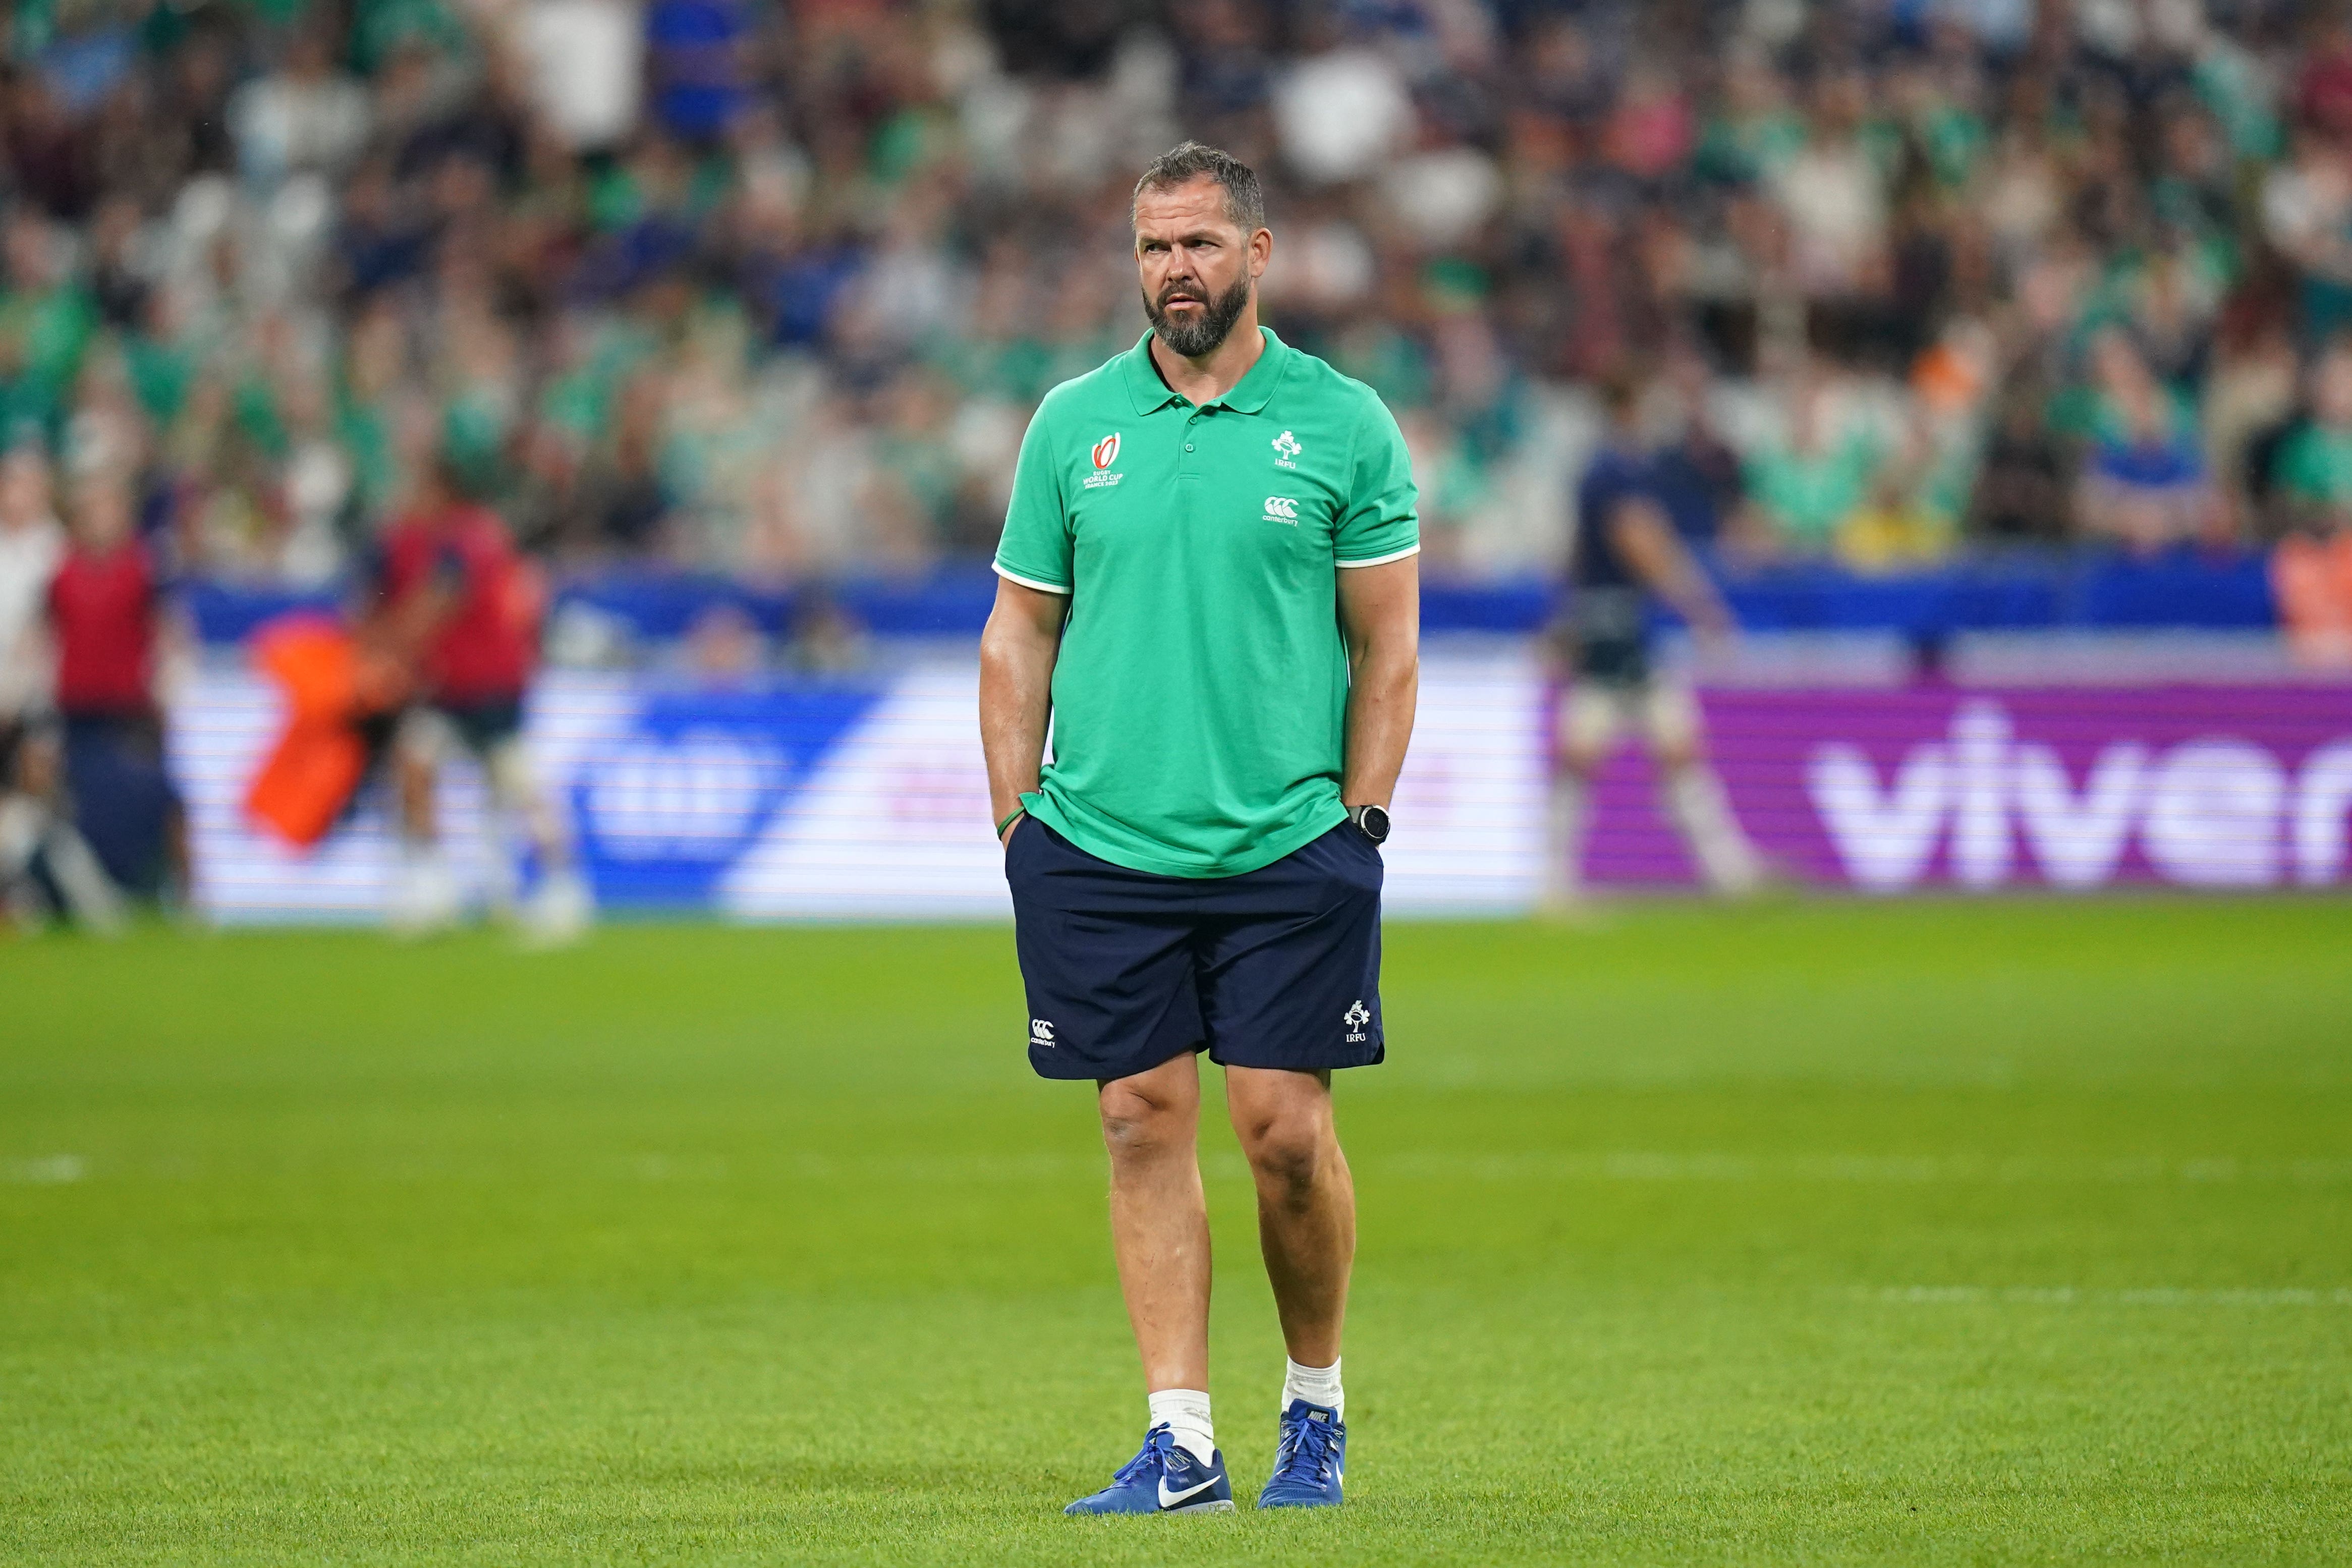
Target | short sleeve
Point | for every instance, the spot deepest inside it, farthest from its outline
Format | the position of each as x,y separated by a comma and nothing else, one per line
1035,550
2293,471
1382,524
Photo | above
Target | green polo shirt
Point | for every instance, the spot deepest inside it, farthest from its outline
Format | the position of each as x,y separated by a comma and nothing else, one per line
1200,697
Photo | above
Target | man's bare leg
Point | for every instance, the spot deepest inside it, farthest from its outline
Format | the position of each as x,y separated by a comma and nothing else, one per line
561,907
1694,802
423,893
1158,1219
1306,1228
417,773
1306,1202
1590,719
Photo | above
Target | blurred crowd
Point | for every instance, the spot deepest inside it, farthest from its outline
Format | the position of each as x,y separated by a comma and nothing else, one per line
770,286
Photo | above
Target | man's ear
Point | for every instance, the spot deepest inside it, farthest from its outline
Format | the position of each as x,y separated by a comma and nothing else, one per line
1261,246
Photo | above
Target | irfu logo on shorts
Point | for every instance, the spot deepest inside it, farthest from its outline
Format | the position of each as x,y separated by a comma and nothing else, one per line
1356,1017
1041,1033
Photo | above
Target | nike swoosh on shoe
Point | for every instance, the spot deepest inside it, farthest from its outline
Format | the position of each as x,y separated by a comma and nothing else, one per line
1169,1499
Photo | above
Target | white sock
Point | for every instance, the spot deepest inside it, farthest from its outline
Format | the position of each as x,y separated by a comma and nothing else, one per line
91,897
1695,799
1185,1412
421,893
1564,820
23,821
1315,1384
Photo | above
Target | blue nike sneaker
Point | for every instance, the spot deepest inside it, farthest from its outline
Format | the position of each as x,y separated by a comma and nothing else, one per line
1164,1479
1309,1459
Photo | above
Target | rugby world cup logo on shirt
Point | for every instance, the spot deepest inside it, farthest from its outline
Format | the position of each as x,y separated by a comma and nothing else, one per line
1104,454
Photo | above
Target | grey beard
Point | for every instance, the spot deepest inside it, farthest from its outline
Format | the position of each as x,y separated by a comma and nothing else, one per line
1192,339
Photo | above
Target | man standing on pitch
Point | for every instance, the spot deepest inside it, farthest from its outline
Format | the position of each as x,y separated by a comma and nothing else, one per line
1208,583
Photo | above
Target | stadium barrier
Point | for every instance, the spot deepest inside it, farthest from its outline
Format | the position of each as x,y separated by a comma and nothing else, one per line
866,799
636,607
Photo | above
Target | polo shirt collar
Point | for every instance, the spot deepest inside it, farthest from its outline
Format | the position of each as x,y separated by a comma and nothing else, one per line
1249,396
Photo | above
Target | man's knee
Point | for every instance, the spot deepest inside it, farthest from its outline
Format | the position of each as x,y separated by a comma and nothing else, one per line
417,775
1676,733
1580,766
1288,1164
1677,755
1142,1120
1288,1146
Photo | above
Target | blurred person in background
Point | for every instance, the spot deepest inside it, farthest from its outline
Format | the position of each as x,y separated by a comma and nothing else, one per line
1629,558
43,861
1804,488
32,544
2311,474
451,600
1834,190
107,617
2023,493
2311,570
2145,484
1695,474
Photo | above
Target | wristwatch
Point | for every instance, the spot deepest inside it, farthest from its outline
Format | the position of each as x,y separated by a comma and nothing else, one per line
1372,821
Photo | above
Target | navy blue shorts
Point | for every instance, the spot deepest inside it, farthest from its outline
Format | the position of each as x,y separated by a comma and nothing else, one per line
1279,967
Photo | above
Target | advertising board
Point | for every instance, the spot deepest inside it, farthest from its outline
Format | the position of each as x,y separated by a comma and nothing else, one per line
865,799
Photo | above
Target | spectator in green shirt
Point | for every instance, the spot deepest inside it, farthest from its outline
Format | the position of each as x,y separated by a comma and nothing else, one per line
1802,490
2312,471
47,319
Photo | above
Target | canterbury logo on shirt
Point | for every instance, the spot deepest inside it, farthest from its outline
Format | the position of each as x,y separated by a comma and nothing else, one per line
1281,509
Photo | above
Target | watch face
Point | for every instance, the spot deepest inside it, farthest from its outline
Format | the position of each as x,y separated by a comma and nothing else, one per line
1375,824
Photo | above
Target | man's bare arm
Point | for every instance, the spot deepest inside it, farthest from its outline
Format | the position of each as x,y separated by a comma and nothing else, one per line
1647,543
1380,615
1016,684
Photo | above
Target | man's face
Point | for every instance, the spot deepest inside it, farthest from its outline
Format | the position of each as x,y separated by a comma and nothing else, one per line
101,515
2331,389
24,489
1196,265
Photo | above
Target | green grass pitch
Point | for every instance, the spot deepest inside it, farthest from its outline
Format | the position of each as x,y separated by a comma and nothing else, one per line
1962,1233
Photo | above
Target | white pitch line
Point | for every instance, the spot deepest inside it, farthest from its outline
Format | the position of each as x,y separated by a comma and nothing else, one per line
1704,1165
2071,1294
48,1171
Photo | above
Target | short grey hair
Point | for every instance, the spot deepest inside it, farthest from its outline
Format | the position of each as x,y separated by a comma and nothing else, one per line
1189,160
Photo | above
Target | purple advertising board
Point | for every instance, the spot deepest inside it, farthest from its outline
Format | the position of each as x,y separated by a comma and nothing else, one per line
2077,787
